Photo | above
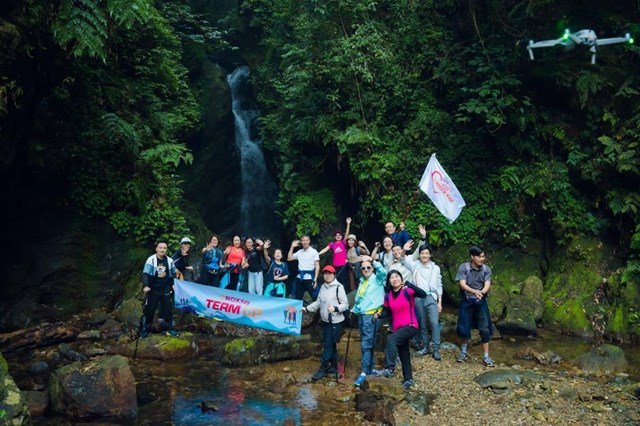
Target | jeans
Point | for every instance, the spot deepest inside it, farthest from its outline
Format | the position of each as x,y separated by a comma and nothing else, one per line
474,313
300,286
256,282
330,337
427,311
368,326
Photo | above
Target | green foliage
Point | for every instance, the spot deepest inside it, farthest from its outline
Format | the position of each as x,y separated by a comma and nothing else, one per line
311,212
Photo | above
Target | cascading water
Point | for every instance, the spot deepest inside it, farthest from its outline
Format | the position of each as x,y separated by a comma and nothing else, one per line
257,193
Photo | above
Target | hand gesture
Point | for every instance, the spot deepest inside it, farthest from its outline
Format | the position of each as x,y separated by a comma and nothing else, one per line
331,309
227,250
295,243
259,242
267,244
407,246
348,221
377,244
402,226
423,231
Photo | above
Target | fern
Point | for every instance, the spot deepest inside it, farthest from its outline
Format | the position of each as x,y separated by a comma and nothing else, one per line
118,130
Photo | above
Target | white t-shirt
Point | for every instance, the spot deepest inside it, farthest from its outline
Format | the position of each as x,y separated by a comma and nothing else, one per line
307,259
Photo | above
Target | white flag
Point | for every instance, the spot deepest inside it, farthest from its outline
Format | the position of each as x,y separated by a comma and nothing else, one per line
439,187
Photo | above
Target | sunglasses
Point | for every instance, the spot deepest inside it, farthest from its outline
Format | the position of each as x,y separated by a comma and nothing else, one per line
366,268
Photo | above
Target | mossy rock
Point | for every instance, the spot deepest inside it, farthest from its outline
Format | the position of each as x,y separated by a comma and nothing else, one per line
12,401
603,360
575,274
129,313
260,349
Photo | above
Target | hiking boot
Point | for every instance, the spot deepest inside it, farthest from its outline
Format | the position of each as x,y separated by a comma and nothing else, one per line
144,334
436,355
488,362
462,357
407,384
172,333
360,380
319,374
332,370
386,372
424,351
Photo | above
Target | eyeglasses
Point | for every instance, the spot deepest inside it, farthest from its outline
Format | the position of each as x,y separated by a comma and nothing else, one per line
366,268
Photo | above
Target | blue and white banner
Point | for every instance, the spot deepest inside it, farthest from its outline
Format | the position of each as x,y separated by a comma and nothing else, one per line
439,187
271,313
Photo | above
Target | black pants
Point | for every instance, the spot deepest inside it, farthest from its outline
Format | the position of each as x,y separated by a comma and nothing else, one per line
164,298
400,338
304,285
211,278
330,337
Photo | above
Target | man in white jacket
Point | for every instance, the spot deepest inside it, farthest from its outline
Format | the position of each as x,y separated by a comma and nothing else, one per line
332,303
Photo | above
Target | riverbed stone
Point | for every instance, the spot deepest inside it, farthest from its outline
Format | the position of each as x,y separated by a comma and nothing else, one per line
12,401
632,389
377,408
505,378
260,349
103,387
420,401
129,313
38,402
158,346
386,386
603,360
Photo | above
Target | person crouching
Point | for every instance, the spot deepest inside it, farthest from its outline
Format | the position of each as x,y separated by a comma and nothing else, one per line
331,302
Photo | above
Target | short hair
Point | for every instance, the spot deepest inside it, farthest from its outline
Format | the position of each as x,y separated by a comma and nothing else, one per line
425,246
162,242
305,235
476,250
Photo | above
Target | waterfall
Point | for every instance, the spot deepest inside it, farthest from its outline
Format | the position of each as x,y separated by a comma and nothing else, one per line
258,192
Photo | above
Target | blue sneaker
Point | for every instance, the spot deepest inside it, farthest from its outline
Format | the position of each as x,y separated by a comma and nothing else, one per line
488,362
386,372
172,333
407,384
360,380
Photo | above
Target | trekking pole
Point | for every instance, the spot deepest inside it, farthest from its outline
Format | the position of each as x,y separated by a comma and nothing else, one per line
346,353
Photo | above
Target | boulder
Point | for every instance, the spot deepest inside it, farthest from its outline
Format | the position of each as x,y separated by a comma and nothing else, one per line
523,310
38,402
12,402
603,360
159,346
505,378
377,408
129,313
102,387
260,349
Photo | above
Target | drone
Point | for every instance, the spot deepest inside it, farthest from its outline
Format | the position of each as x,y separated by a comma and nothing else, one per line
569,40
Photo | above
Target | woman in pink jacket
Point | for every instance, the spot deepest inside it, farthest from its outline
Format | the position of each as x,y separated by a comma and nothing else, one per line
400,304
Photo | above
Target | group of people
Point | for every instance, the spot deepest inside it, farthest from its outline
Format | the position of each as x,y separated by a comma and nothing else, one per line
392,282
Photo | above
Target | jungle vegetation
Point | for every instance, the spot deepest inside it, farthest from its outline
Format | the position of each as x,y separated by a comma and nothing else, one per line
96,97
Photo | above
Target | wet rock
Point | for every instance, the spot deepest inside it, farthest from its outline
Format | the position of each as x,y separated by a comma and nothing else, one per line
89,335
104,387
542,357
38,402
389,387
503,378
12,401
97,318
66,351
420,401
602,360
568,393
91,352
376,407
38,367
256,350
621,379
633,389
129,312
158,346
111,329
448,346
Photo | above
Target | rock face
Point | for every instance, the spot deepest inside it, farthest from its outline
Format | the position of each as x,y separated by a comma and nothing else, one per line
524,310
104,387
603,360
256,350
12,402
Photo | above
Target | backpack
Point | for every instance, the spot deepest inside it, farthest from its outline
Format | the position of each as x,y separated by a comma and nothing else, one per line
347,313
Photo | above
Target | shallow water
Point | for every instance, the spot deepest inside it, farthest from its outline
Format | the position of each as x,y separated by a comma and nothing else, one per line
171,393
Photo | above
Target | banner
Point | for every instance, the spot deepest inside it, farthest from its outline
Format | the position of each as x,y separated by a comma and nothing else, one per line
439,187
271,313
